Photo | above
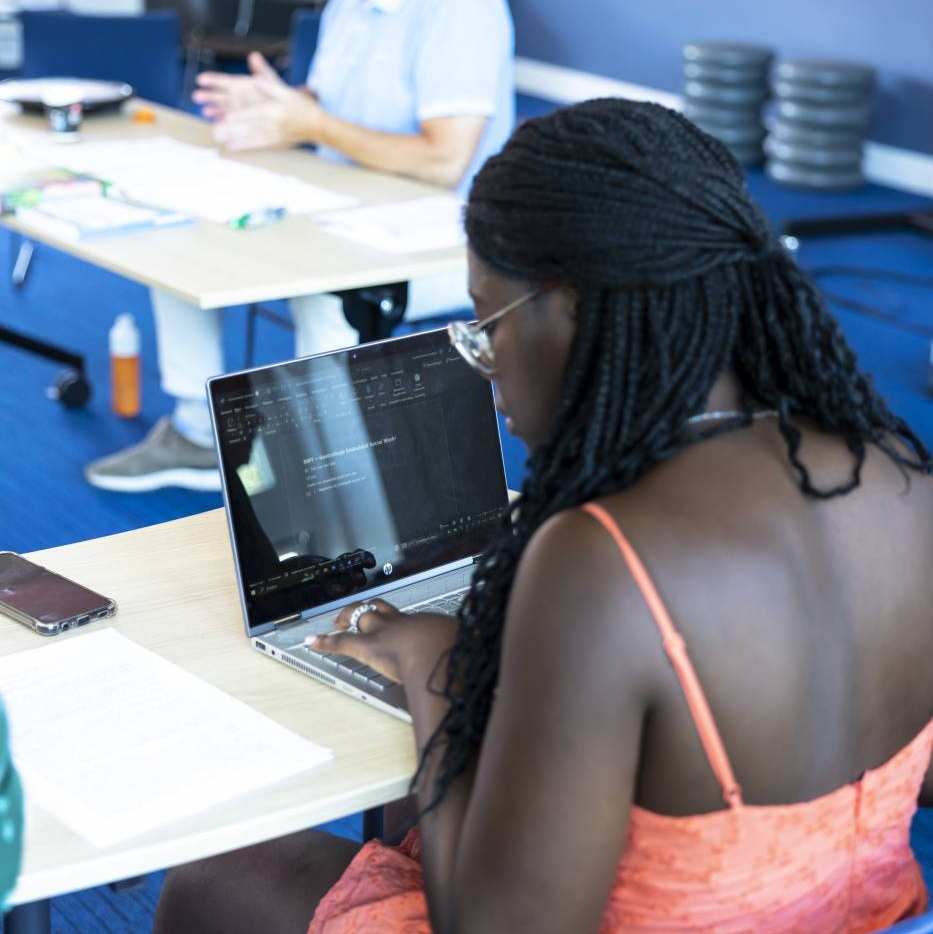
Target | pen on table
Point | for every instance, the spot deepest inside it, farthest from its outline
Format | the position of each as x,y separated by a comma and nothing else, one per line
257,218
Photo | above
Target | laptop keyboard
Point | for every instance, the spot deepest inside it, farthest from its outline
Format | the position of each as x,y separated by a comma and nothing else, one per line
368,678
448,603
353,670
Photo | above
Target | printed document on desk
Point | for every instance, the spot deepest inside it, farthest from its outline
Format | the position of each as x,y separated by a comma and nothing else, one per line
113,740
431,223
195,180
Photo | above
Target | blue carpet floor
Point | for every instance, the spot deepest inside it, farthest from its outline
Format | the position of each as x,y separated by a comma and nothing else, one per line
43,447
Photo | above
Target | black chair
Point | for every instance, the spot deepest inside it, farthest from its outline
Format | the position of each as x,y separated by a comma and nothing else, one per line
228,30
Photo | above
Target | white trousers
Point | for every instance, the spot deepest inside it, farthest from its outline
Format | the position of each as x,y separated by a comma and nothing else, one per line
189,338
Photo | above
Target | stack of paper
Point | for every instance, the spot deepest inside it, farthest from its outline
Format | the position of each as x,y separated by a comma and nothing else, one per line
194,180
431,223
113,740
94,215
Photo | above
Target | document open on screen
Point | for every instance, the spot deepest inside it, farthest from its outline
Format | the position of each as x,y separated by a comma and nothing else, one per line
355,469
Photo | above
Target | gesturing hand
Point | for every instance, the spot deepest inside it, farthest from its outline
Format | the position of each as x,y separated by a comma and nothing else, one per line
258,110
401,646
220,95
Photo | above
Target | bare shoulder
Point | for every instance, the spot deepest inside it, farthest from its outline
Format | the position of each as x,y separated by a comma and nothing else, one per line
574,553
573,595
569,559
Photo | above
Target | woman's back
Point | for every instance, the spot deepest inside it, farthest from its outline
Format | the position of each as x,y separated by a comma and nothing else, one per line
811,644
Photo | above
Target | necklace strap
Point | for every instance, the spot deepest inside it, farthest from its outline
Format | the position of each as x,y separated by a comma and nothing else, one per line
731,413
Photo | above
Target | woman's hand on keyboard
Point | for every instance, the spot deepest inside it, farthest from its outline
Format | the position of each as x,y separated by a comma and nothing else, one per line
405,647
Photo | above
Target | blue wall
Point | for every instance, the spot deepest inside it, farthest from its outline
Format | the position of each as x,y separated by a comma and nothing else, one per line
640,41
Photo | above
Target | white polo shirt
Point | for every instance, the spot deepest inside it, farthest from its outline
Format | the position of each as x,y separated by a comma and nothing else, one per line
390,64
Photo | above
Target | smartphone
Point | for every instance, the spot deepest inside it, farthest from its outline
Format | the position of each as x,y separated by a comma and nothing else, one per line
44,601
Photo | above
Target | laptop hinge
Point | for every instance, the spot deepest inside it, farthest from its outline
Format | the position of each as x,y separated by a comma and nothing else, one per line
285,619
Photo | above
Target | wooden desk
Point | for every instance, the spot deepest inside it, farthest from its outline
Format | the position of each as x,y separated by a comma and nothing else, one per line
174,584
212,266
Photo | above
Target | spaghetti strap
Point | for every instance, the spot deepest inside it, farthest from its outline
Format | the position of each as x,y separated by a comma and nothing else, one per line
677,653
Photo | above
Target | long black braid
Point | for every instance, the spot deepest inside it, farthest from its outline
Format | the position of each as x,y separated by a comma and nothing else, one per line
678,279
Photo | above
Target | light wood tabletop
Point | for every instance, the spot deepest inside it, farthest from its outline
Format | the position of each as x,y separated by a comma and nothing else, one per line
213,266
175,588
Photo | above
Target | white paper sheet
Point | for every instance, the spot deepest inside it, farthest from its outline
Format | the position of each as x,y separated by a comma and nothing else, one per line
113,740
431,223
193,180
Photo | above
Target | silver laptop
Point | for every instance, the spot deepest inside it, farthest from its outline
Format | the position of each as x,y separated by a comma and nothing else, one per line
371,471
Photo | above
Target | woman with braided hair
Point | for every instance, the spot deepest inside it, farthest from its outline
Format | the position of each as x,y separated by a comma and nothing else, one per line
689,689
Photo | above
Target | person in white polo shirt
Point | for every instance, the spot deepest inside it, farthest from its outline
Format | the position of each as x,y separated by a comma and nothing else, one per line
421,88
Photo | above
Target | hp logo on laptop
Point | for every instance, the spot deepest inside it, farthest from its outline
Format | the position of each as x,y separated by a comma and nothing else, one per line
387,568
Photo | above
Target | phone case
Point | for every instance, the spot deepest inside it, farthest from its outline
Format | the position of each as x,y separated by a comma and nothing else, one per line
53,629
47,628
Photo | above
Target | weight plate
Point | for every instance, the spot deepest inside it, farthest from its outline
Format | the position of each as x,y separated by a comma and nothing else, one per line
819,94
729,95
802,134
849,158
729,54
854,116
718,115
826,73
789,173
723,74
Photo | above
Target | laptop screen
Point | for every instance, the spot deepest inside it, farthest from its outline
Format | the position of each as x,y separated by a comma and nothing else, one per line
354,469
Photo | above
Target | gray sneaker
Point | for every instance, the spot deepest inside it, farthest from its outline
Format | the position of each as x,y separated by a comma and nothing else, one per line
165,457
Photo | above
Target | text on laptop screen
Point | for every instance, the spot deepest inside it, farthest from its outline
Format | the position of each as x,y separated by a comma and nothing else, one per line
355,469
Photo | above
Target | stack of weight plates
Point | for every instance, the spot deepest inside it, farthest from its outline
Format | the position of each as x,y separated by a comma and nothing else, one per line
725,86
823,109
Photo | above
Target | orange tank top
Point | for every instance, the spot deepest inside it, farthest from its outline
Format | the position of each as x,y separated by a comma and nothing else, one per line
841,862
838,863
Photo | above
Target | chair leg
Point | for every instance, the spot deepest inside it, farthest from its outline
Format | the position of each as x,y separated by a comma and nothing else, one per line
194,49
22,263
252,312
373,825
375,311
244,17
127,885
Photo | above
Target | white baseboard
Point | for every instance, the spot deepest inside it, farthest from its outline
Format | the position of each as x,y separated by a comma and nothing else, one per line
886,165
899,168
567,86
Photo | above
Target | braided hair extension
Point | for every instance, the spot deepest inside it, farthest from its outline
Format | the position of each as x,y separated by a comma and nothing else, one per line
678,278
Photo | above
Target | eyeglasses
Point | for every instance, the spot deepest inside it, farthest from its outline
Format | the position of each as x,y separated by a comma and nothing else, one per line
472,340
